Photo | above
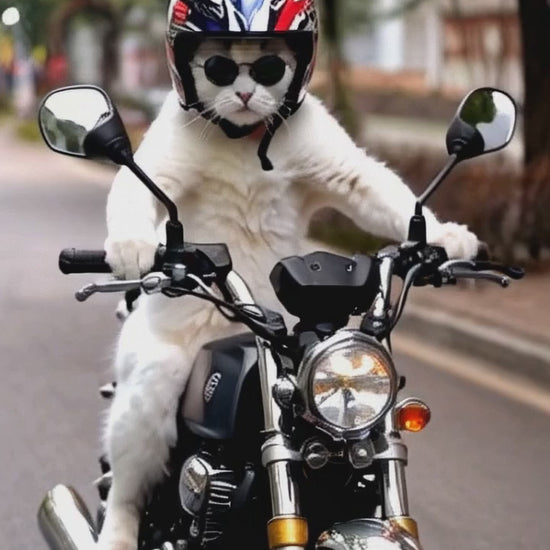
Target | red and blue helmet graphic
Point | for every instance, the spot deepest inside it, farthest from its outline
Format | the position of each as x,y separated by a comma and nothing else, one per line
234,16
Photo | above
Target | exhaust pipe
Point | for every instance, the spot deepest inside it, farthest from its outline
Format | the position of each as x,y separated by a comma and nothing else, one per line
65,521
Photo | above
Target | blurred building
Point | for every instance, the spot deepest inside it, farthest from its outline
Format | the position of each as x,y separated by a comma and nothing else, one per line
453,45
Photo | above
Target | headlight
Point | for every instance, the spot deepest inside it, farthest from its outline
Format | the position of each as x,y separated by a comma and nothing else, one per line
348,383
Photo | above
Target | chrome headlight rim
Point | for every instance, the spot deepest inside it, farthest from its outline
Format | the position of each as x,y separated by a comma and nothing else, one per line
305,379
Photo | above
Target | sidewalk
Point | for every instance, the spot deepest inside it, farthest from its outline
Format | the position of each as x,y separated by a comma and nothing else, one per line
507,327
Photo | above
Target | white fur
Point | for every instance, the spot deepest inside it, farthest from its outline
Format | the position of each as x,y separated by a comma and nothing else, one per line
224,196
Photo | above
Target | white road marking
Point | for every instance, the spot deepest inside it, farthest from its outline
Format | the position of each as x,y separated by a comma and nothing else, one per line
478,372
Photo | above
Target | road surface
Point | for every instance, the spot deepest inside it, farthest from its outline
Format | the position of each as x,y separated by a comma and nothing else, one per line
478,476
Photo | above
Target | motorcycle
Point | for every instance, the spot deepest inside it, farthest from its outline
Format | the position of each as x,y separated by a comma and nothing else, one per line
289,440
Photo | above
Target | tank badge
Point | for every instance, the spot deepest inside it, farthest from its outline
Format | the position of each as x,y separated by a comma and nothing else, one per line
211,386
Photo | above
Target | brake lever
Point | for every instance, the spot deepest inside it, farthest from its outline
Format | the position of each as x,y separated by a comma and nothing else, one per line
476,266
511,271
450,275
150,284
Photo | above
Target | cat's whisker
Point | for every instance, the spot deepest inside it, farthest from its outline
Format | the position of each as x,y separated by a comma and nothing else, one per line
202,135
194,119
284,122
209,130
210,126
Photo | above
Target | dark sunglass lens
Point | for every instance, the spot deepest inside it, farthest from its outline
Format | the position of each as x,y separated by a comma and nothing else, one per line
268,70
220,70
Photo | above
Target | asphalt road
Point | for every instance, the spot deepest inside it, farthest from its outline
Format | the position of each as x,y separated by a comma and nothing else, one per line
478,476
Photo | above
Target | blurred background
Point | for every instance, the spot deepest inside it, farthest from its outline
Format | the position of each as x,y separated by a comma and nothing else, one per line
392,70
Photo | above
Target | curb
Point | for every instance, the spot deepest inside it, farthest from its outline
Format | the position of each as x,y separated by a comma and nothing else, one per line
506,351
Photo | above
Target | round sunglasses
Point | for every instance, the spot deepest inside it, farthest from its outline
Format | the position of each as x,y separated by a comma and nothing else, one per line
222,71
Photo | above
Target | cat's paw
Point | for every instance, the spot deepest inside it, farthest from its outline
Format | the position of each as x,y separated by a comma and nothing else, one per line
130,258
457,241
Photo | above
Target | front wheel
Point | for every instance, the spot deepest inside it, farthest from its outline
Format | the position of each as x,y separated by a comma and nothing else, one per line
373,534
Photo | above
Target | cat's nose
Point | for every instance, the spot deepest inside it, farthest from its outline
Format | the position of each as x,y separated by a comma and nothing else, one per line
244,96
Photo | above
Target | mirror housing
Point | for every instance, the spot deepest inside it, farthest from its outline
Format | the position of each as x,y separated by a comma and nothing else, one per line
82,121
485,122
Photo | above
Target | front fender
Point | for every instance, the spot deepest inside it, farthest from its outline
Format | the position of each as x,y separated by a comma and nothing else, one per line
367,534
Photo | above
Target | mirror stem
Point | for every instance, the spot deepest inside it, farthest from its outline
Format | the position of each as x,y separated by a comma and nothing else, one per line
174,228
417,226
159,194
451,162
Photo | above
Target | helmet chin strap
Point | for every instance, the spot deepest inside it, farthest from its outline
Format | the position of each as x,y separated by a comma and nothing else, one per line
232,131
272,127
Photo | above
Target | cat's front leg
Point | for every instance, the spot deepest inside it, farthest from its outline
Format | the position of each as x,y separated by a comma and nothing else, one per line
132,218
334,172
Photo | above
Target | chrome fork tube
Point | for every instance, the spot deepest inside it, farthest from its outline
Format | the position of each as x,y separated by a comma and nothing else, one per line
268,378
286,530
396,501
276,454
380,309
394,481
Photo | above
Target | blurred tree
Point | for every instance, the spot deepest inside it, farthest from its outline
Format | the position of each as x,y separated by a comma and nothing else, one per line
535,26
66,12
331,16
34,14
338,19
45,22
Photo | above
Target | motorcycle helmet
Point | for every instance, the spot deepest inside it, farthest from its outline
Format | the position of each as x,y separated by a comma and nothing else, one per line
192,21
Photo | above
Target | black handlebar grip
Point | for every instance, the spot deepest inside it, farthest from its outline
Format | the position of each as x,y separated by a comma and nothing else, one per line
72,260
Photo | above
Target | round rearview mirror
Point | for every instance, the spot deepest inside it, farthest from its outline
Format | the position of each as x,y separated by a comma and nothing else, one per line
485,122
67,116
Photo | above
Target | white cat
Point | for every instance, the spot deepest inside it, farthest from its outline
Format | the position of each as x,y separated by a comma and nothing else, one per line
223,195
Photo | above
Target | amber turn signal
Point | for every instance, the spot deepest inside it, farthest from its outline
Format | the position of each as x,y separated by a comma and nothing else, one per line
412,415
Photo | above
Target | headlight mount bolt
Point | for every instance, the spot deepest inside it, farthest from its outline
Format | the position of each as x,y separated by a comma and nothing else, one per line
361,454
316,455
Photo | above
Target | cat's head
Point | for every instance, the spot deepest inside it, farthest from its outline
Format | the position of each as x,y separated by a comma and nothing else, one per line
242,63
244,82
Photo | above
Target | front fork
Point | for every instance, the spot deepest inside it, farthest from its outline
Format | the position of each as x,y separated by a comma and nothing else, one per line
288,529
394,481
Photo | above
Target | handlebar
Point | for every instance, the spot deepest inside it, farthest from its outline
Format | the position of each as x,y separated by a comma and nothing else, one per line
72,260
201,266
428,265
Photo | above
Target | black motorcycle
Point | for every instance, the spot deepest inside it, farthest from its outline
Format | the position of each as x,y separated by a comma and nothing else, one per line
288,440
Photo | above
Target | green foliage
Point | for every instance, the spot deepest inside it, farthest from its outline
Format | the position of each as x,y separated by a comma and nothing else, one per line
35,14
27,130
335,230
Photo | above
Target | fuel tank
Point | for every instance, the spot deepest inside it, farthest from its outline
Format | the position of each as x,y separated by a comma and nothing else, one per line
223,397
